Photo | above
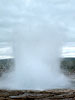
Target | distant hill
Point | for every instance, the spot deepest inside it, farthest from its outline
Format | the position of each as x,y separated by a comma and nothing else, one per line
6,65
68,65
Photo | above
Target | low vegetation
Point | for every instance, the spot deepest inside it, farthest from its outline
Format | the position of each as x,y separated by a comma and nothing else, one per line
68,65
6,65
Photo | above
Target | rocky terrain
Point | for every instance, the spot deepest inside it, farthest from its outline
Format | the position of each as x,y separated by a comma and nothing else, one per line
37,95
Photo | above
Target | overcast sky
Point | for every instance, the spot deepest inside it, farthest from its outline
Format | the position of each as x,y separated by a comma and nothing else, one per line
14,13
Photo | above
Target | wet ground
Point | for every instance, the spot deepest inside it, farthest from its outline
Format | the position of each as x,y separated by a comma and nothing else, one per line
58,94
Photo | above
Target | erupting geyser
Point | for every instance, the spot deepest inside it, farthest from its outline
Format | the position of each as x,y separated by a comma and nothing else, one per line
38,37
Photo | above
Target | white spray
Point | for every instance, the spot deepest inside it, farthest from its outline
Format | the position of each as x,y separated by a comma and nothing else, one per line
38,37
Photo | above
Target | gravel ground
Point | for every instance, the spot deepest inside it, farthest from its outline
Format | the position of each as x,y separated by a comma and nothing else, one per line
58,94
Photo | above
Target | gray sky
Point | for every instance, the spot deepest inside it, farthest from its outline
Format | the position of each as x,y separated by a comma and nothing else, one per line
14,13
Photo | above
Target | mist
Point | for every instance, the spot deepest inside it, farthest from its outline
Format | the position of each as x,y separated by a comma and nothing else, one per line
38,35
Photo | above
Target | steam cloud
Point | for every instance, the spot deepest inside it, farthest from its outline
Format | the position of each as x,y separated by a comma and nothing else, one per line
38,34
